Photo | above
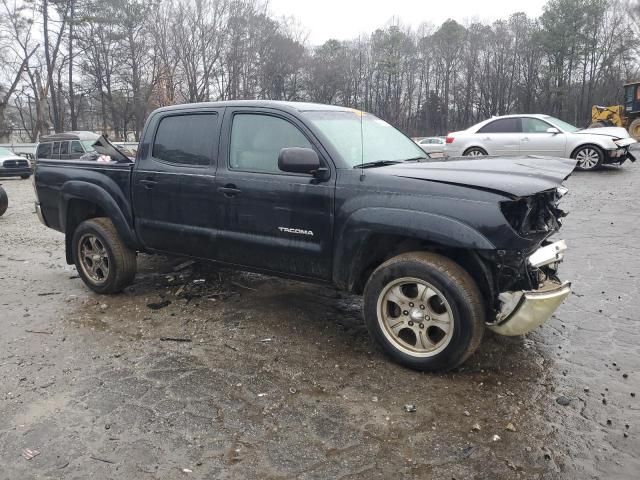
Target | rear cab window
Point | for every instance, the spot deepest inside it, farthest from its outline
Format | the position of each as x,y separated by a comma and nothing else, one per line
186,139
502,125
44,150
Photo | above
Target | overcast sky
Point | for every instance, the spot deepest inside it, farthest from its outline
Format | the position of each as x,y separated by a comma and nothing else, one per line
346,19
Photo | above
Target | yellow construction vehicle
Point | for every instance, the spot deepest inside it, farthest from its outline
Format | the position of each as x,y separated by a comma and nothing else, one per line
626,116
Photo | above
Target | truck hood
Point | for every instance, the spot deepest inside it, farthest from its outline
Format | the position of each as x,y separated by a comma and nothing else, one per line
616,132
514,177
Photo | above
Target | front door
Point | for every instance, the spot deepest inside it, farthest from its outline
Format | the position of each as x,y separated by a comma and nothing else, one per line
537,141
270,219
174,183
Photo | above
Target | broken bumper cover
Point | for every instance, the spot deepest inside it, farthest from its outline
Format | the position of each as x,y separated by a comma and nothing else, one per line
526,310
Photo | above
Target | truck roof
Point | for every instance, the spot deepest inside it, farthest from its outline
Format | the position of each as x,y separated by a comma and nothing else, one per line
281,105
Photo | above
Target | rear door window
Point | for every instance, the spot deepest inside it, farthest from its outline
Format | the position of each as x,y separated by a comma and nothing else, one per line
502,125
55,154
64,150
186,139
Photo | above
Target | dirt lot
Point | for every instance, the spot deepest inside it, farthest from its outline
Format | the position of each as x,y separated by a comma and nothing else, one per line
280,380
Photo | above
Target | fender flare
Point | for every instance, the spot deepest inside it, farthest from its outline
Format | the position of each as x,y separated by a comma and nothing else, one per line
122,218
350,256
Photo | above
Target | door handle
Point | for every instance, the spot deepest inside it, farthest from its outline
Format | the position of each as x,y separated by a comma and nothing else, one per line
525,139
229,190
148,183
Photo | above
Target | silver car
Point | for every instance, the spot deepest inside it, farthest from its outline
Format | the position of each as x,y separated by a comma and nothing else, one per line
514,135
431,145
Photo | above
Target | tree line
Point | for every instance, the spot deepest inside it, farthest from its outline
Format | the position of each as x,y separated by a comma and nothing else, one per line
104,65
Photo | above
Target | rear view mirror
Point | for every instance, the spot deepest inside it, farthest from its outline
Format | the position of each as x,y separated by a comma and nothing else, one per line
298,160
553,130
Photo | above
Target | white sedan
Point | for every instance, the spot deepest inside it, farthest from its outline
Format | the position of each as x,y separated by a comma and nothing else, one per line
431,145
514,135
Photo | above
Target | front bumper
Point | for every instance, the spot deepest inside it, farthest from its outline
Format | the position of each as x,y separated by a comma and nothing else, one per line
15,172
619,155
525,311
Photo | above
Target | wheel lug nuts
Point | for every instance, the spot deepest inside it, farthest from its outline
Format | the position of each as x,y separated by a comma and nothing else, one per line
410,304
405,313
410,323
422,325
421,307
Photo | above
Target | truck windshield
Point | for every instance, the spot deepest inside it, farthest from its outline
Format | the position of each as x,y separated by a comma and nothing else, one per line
381,142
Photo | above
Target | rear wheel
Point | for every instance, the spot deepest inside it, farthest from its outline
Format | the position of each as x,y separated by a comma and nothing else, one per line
589,157
424,310
103,261
4,201
474,152
634,129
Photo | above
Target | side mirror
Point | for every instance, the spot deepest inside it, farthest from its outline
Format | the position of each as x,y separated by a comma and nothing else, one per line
553,130
298,160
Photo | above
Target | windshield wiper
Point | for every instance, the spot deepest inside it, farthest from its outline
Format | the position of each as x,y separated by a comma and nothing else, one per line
416,159
377,163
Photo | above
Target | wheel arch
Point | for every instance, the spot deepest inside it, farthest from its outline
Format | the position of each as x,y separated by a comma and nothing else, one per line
82,201
373,236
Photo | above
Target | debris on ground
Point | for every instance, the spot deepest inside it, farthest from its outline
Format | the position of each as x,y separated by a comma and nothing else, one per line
496,438
183,265
29,453
476,427
174,339
187,470
511,427
410,408
562,400
159,305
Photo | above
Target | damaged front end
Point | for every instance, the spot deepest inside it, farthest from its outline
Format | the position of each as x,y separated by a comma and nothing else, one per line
526,284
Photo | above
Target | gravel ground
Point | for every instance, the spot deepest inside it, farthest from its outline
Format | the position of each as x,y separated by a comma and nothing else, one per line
280,379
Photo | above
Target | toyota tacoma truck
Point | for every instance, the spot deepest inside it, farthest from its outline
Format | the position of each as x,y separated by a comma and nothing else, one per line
440,250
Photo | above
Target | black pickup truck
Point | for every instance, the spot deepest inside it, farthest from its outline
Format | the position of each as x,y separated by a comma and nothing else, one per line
439,249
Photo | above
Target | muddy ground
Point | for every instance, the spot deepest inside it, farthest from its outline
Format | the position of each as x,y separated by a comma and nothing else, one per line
280,379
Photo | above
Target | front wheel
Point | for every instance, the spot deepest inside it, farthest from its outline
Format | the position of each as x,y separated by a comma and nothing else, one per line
24,177
4,201
103,261
424,310
589,157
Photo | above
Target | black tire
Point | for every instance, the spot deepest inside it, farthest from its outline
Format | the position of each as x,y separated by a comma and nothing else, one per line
121,265
474,152
4,201
634,129
24,177
593,157
458,289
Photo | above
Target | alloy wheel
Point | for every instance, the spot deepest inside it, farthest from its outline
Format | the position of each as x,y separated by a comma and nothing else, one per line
94,258
415,317
588,158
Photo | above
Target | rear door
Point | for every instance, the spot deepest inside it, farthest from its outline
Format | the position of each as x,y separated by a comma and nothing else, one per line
270,219
537,141
501,136
174,183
